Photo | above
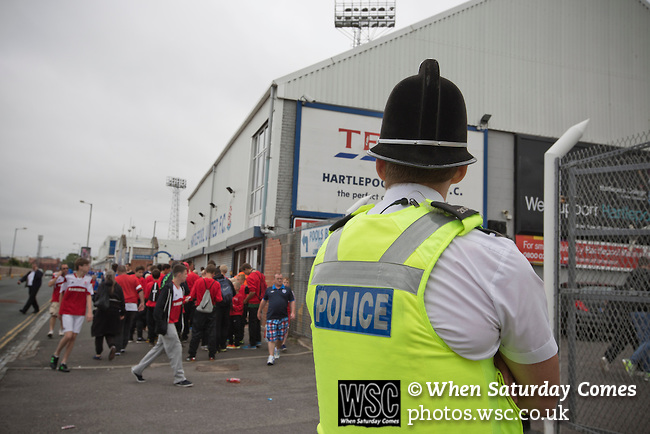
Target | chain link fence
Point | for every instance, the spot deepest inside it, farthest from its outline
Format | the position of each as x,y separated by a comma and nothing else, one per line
604,235
296,265
604,288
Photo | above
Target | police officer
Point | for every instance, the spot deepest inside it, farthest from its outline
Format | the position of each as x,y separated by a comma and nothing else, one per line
412,291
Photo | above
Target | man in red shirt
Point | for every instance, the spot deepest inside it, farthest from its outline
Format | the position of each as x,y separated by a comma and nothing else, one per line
192,277
75,303
151,293
203,323
190,307
256,283
168,311
133,301
140,321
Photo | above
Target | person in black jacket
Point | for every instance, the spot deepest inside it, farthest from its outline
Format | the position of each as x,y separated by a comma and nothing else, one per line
168,311
33,279
107,322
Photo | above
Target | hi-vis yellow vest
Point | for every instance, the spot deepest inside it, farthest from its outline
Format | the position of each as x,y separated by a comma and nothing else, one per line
373,342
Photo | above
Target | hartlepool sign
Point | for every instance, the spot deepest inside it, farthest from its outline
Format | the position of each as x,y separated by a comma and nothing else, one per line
332,169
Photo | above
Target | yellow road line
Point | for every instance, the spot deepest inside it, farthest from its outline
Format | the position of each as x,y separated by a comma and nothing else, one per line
11,334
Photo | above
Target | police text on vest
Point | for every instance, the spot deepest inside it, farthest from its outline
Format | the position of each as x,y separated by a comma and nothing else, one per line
354,309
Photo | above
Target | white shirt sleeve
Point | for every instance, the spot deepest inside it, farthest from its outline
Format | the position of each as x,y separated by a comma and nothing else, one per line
64,284
483,296
89,285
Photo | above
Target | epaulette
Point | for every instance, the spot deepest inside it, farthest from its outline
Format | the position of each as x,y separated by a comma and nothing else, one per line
491,232
341,223
460,212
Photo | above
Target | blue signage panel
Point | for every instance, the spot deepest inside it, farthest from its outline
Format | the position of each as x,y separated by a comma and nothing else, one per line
354,309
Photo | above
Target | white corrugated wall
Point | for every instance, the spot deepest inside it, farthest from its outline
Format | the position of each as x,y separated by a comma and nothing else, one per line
537,66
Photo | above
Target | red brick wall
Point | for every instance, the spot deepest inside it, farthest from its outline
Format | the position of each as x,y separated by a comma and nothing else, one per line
272,259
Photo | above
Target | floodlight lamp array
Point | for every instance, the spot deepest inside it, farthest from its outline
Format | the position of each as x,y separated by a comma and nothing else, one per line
176,182
358,14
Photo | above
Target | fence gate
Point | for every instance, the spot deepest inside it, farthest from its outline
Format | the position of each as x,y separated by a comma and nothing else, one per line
604,219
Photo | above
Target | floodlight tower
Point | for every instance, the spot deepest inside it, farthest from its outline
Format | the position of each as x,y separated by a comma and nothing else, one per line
363,20
40,244
177,184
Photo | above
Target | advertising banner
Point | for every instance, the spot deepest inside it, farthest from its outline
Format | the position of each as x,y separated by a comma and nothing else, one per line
589,254
85,253
333,171
529,184
605,202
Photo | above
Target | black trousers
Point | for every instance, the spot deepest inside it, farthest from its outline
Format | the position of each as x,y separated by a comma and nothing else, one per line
99,343
31,301
203,327
187,320
127,322
140,323
222,322
236,331
151,324
254,332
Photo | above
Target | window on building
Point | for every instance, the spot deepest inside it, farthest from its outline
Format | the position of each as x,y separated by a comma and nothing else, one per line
258,168
251,255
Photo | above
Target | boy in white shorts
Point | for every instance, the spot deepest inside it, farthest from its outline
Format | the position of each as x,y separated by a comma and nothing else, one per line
76,302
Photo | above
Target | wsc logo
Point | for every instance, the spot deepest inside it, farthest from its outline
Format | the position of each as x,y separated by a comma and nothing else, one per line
370,403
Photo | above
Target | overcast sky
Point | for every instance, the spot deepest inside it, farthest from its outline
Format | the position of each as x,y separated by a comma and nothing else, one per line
101,101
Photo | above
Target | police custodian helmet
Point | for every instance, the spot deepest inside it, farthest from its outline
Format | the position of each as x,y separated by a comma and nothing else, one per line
425,122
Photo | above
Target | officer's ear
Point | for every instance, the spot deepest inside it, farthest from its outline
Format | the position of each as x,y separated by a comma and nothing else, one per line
459,175
380,166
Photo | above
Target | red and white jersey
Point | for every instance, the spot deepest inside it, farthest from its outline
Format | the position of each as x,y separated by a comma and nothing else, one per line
74,290
56,292
177,304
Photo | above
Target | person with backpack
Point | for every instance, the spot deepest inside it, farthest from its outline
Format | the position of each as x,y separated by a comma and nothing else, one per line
222,316
205,293
151,293
109,312
168,311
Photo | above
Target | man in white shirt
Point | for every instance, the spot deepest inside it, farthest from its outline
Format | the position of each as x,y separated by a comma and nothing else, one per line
33,281
483,298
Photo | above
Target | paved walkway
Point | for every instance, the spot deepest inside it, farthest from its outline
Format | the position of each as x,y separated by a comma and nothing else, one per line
103,396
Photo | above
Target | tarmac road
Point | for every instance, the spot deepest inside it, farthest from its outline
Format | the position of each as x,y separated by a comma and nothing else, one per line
13,324
103,397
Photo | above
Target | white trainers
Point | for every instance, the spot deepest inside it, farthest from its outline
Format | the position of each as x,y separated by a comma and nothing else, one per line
276,353
270,360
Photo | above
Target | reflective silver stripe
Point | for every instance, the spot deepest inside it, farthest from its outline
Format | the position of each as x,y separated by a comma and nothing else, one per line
389,271
370,274
332,249
422,142
413,236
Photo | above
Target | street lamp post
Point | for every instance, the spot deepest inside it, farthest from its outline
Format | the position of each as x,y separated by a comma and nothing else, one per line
13,247
89,220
